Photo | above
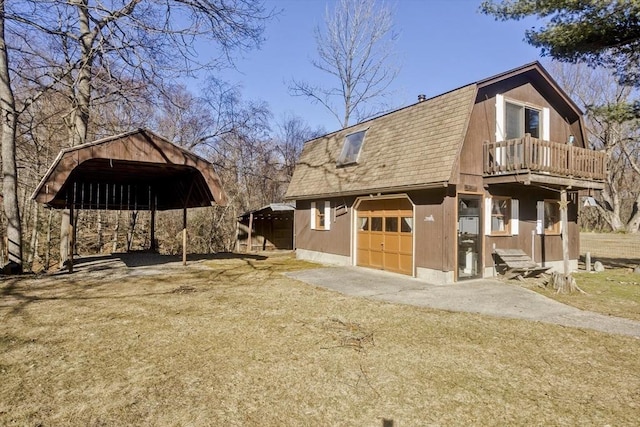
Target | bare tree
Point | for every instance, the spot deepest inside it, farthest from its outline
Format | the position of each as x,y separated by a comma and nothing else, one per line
9,167
79,46
293,132
356,48
612,127
234,135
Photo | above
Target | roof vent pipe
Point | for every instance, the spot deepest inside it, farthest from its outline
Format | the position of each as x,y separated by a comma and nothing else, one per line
422,97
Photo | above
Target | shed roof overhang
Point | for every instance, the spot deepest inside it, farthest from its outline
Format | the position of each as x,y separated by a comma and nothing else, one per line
271,210
138,170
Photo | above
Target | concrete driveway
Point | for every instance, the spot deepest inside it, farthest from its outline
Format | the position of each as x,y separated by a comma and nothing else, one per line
485,296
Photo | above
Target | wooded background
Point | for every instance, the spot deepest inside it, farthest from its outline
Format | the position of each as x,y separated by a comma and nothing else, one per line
76,71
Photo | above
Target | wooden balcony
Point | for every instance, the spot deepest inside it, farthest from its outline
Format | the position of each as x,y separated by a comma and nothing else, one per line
532,155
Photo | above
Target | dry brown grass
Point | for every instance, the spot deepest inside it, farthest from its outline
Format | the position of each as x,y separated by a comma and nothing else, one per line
233,342
614,292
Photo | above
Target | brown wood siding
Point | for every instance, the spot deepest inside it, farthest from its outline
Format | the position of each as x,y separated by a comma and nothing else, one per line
333,241
547,247
131,163
482,126
267,234
431,230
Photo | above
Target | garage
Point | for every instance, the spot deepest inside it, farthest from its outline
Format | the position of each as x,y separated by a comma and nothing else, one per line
385,235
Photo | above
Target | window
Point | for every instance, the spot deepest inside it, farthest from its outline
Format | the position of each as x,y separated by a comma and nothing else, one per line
520,120
406,224
549,217
376,223
501,216
320,215
515,119
391,224
351,148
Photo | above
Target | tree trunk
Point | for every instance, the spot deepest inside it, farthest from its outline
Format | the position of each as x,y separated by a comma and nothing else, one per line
133,216
9,167
47,253
567,284
79,117
116,228
82,98
100,233
33,247
564,284
634,222
64,237
3,239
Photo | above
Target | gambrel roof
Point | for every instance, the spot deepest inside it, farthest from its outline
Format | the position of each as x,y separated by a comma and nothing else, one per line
134,170
411,148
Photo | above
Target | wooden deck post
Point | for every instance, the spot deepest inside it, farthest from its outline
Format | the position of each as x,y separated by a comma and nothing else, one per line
564,223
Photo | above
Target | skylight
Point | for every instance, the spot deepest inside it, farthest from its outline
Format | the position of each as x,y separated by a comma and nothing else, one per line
351,148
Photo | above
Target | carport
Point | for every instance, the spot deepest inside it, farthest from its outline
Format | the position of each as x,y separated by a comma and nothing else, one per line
137,170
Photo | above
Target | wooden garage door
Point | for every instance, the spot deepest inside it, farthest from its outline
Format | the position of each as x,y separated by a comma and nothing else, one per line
385,235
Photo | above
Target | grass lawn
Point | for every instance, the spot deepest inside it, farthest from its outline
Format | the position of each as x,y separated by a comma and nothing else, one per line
234,342
614,292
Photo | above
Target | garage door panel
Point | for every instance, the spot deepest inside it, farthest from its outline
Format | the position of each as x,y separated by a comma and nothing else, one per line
406,243
391,262
406,263
376,259
391,243
385,236
363,257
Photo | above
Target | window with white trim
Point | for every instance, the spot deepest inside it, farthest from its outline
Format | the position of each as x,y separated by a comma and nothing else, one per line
548,221
520,120
515,119
501,216
321,215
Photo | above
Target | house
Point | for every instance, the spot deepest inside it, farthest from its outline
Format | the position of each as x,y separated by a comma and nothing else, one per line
268,228
430,190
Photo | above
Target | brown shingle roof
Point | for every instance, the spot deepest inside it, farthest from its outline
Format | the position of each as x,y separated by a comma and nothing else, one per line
408,148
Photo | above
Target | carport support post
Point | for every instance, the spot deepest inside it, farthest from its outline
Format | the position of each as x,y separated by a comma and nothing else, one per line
184,236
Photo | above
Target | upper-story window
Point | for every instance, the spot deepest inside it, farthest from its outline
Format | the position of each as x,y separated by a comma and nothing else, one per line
514,119
351,148
520,120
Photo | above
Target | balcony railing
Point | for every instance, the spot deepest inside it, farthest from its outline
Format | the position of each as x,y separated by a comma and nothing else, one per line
535,155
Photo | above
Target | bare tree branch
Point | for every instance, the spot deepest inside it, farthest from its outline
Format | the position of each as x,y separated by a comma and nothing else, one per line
357,49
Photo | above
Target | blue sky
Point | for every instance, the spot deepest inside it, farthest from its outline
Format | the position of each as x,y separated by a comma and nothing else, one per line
442,45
